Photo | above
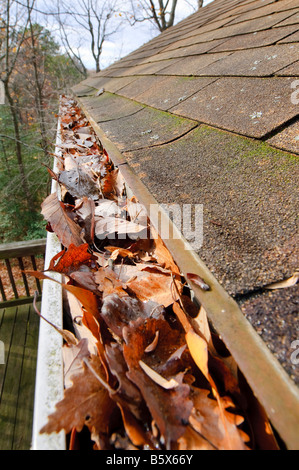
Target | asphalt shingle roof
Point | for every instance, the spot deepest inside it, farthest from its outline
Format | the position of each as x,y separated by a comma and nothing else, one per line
207,112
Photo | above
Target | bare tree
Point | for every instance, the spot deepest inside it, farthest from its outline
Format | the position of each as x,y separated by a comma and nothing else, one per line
14,21
161,13
97,21
37,62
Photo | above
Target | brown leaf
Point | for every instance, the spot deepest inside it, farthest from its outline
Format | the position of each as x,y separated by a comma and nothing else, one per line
149,282
291,281
86,213
135,431
169,408
221,431
164,383
162,254
71,259
192,440
85,279
107,208
73,360
112,184
137,212
127,394
65,228
121,252
154,286
152,346
119,311
108,282
196,279
79,182
198,348
86,402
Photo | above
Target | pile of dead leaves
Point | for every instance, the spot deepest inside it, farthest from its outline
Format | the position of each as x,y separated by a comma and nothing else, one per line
143,370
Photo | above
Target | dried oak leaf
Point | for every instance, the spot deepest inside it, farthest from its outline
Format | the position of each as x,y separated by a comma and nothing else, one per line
137,212
85,279
112,183
192,440
225,368
198,348
157,287
119,252
127,394
291,281
119,311
162,254
166,357
135,430
170,409
107,208
86,402
72,360
108,282
67,231
149,282
219,429
79,182
71,259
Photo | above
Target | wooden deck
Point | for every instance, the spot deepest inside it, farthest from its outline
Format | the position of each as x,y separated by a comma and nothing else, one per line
19,327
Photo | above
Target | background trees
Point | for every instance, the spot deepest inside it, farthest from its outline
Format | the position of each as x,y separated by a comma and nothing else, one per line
97,22
43,51
34,72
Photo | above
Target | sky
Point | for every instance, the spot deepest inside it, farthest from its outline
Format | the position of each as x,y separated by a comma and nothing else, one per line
128,39
133,37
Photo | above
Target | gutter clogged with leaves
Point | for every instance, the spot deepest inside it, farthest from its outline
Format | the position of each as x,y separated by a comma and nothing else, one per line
143,369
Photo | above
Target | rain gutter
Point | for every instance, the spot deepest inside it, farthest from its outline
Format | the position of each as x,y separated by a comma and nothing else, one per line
270,383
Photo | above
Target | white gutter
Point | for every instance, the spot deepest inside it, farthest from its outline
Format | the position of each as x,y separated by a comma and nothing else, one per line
49,383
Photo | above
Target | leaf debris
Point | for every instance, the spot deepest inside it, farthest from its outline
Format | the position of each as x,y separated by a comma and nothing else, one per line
155,378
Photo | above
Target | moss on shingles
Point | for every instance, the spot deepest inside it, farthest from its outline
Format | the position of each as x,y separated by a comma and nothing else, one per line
248,192
241,149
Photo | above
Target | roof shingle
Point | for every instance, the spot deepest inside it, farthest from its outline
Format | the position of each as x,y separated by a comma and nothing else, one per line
207,113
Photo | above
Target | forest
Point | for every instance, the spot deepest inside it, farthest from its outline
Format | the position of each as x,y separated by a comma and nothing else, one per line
34,73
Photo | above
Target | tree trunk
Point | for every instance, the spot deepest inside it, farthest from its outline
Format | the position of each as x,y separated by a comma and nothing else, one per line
172,14
27,194
39,100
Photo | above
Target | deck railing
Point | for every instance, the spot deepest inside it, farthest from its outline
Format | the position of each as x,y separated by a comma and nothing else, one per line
15,258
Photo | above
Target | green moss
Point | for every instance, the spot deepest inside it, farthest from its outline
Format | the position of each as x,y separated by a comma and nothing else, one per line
247,148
